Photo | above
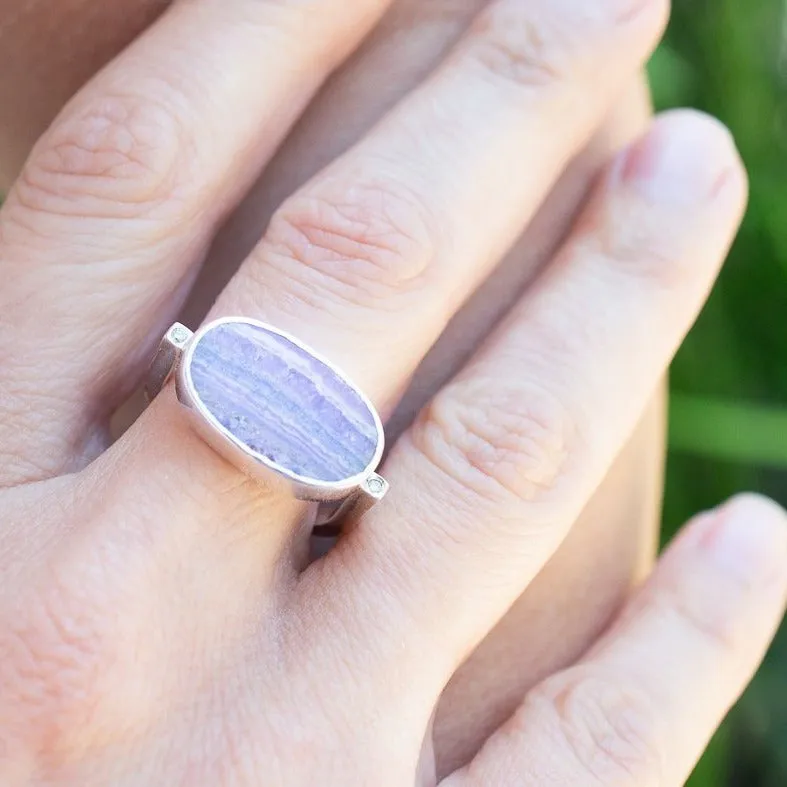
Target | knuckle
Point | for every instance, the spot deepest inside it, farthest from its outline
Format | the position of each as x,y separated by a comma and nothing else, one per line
530,49
494,441
116,157
698,610
518,48
521,62
55,657
360,245
637,244
608,726
70,676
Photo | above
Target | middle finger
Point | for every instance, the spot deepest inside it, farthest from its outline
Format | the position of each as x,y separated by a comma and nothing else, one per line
383,247
504,459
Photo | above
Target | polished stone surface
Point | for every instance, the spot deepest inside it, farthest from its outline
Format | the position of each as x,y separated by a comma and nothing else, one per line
283,403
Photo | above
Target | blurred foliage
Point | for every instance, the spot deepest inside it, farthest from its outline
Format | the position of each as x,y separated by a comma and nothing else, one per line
728,426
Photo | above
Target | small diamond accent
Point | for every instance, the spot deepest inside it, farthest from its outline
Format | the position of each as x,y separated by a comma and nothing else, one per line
179,334
376,485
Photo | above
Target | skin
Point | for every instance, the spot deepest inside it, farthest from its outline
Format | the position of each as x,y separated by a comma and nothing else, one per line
332,673
585,582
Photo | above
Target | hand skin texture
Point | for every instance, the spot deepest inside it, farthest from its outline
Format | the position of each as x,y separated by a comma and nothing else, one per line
50,47
117,204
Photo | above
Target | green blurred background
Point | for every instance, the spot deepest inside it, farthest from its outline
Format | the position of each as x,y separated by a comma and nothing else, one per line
728,419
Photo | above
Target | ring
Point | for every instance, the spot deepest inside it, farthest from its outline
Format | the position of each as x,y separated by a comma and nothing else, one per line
276,410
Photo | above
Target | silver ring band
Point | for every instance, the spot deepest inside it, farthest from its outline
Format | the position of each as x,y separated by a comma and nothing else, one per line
277,410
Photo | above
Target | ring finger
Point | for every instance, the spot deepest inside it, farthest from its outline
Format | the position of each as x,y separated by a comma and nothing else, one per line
369,261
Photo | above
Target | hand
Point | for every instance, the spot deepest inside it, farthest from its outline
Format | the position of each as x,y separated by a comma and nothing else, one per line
50,48
60,180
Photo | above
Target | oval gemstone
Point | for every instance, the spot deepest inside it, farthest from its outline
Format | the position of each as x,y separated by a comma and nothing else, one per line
282,403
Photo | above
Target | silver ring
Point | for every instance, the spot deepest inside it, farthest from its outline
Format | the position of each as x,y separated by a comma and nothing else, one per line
276,410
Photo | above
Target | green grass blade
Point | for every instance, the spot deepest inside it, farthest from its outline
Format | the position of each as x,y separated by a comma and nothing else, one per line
730,431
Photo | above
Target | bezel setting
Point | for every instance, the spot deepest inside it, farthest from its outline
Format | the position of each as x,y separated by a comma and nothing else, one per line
175,360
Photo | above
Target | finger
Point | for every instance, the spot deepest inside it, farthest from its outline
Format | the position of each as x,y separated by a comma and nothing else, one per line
504,286
505,458
49,50
611,545
567,606
120,199
396,234
643,705
401,230
367,86
618,531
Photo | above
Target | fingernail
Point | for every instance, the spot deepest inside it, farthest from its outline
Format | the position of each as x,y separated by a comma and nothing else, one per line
682,160
748,537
